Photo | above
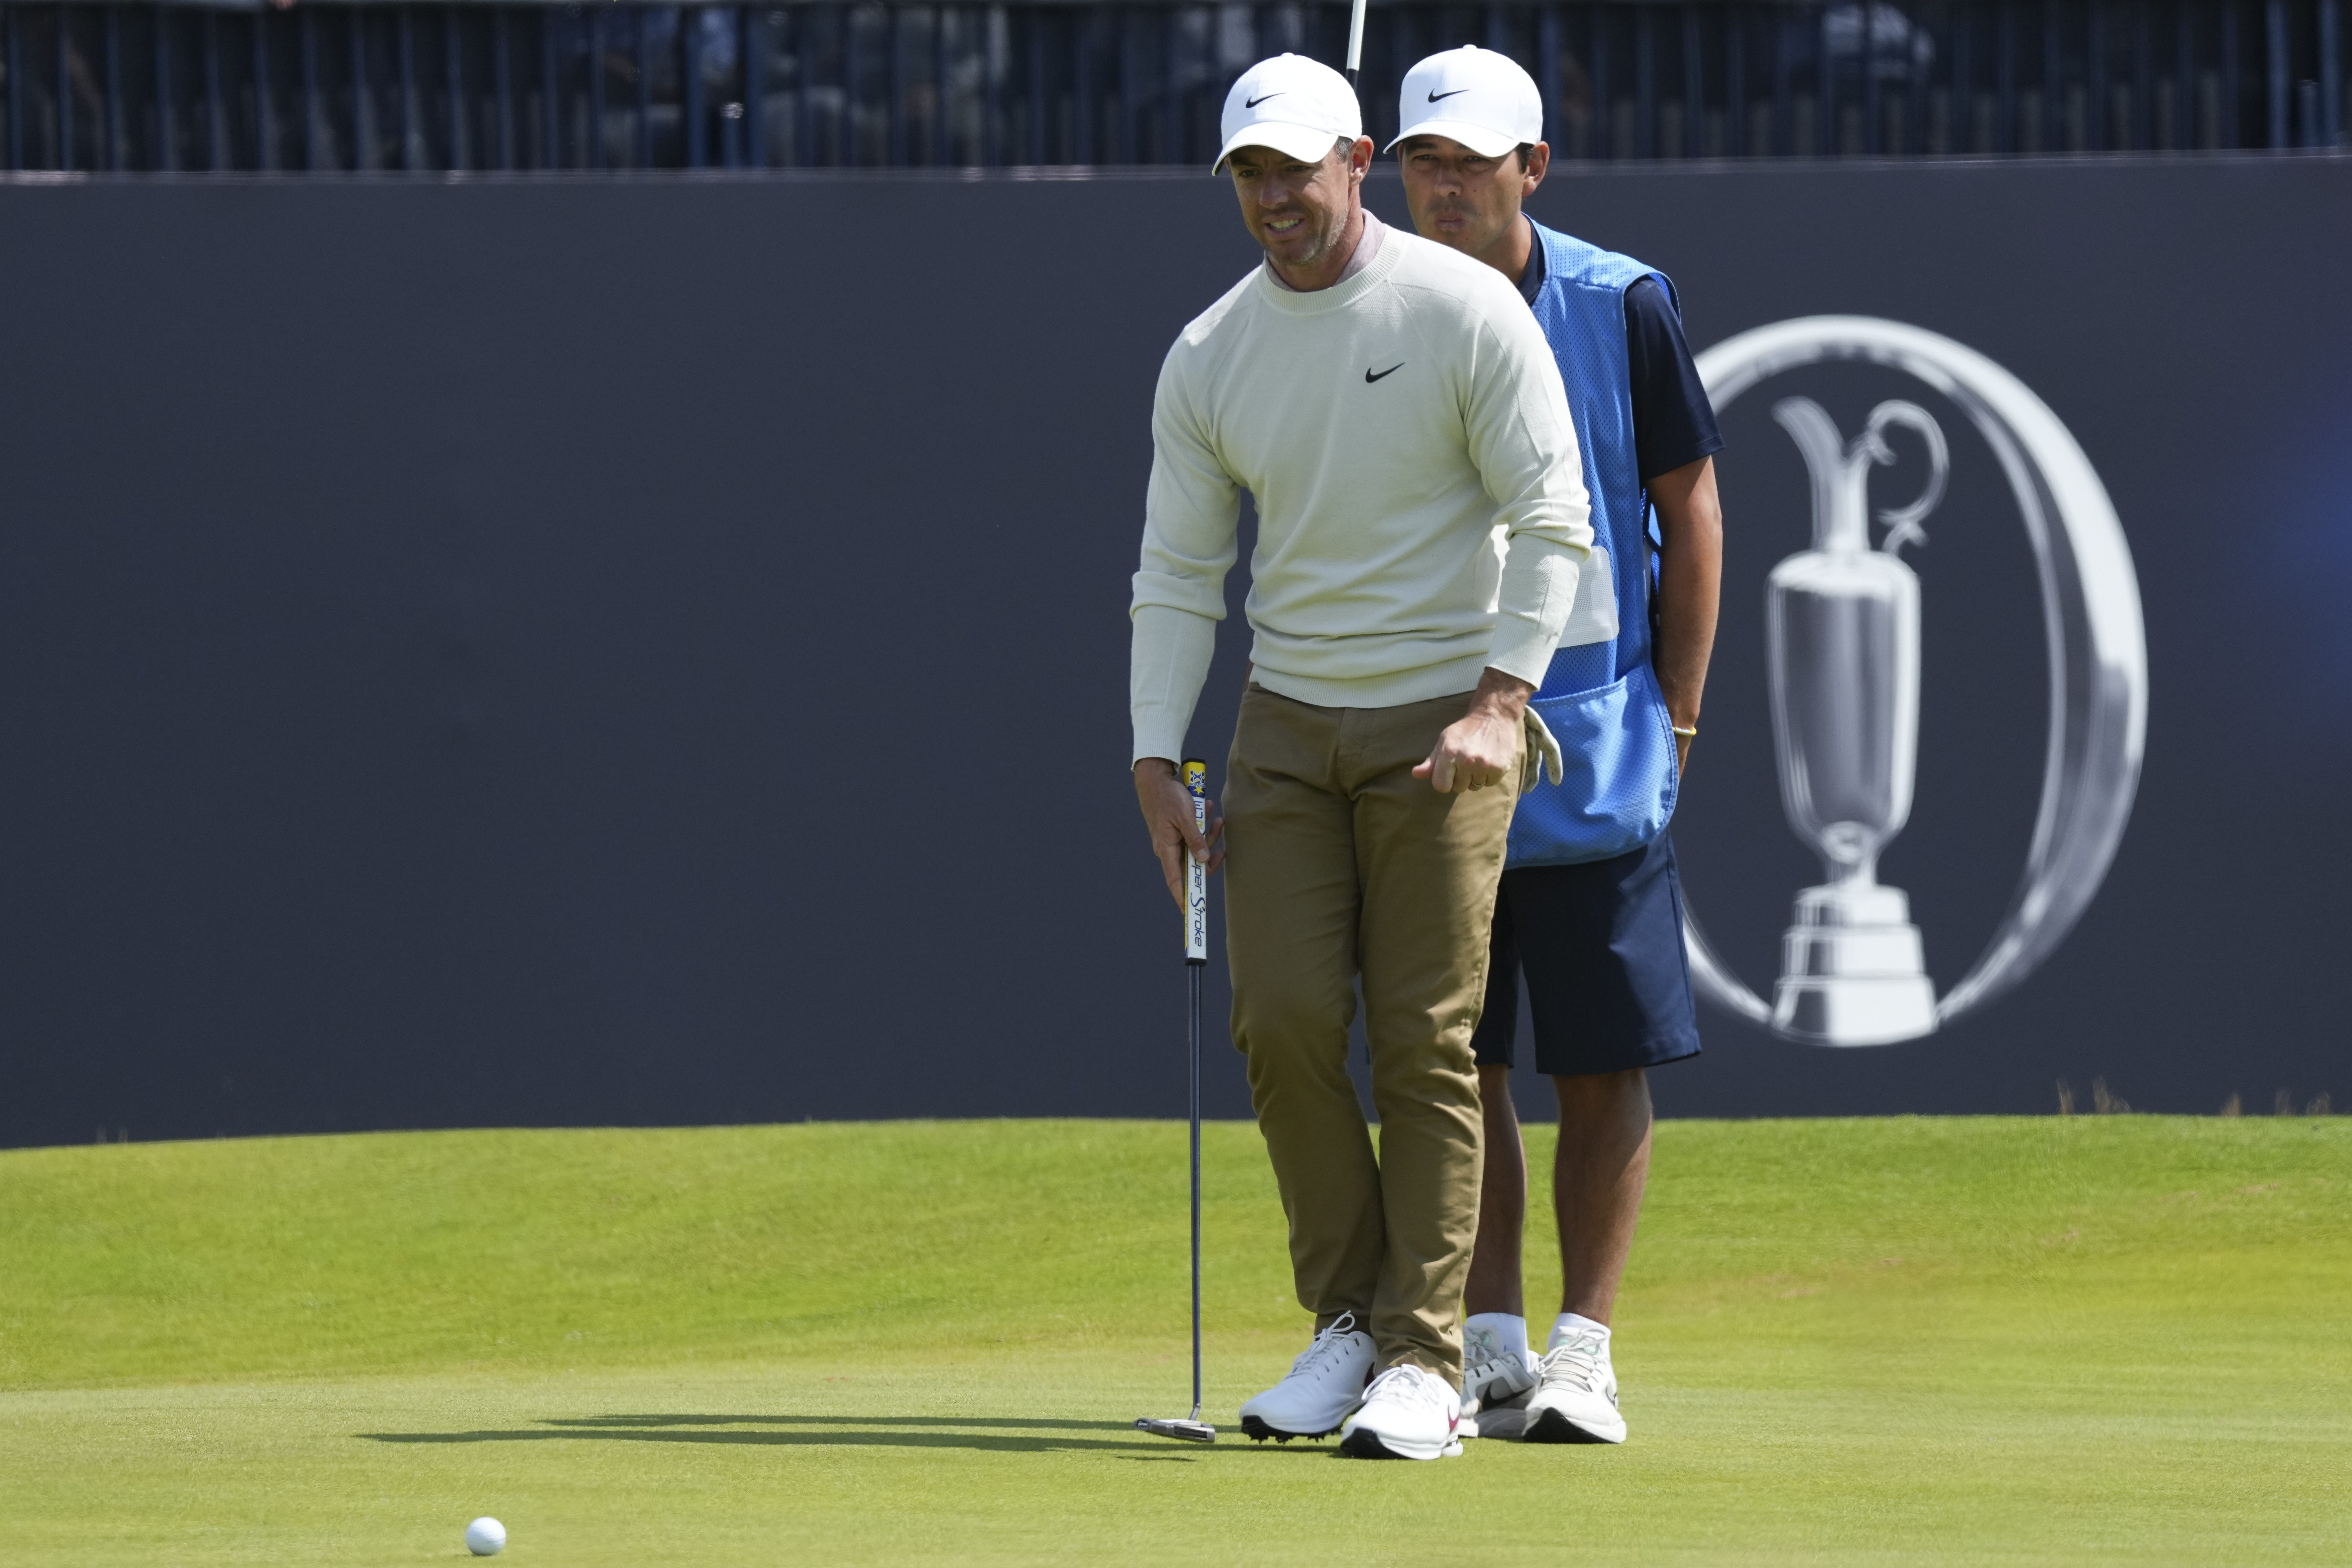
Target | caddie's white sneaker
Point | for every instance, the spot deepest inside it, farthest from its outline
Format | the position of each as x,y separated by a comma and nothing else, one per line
1325,1382
1496,1366
1576,1400
1407,1414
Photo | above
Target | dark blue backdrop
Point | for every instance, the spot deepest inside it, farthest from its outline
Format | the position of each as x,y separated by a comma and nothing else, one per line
612,652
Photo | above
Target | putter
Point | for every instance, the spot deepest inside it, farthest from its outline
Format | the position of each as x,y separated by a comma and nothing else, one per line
1192,1429
1355,42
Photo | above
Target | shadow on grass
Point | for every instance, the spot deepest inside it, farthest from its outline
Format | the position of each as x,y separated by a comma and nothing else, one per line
1024,1423
997,1434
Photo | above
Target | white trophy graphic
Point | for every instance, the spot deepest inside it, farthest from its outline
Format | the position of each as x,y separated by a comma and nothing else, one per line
1842,631
1843,620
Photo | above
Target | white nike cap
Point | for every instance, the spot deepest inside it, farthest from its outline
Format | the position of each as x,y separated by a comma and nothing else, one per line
1475,96
1298,107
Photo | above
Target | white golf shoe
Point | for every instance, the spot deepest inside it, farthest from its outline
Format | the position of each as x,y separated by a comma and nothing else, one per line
1576,1399
1325,1382
1407,1414
1494,1369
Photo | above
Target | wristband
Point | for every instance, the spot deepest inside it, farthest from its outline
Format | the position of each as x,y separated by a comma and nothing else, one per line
1692,732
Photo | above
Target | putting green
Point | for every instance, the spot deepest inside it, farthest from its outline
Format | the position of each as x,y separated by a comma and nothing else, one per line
2092,1339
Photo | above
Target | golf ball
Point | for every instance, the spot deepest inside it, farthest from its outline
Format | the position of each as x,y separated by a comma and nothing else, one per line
486,1537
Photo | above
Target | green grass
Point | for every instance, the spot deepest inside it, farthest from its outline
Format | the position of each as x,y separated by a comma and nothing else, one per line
2095,1340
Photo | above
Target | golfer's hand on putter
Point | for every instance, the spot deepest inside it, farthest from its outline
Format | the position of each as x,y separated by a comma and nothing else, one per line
1482,747
1168,817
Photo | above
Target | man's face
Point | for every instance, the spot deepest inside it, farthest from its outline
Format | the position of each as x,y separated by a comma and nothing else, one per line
1297,210
1462,199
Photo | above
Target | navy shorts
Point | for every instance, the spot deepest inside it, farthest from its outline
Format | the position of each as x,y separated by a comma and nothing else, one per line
1602,946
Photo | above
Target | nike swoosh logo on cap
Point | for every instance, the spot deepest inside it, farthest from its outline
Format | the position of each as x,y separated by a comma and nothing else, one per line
1370,377
1253,102
1455,93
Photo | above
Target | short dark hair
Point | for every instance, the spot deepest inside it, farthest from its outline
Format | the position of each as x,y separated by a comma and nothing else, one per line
1524,150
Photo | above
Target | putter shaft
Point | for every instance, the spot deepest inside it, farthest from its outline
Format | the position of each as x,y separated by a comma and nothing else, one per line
1196,959
1194,972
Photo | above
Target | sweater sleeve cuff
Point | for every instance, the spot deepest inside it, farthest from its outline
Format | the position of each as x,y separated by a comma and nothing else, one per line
1522,650
1525,638
1159,735
1170,659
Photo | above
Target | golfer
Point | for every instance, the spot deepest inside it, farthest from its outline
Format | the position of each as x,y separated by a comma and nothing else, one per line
1590,910
1395,414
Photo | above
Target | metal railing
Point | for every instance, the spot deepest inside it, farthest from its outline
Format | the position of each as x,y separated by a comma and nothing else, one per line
331,87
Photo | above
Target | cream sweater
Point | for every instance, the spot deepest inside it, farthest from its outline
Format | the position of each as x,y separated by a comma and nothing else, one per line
1421,510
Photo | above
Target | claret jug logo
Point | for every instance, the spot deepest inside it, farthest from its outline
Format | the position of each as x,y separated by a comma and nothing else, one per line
1842,659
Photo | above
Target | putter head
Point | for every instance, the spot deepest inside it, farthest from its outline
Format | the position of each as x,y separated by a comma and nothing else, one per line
1189,1431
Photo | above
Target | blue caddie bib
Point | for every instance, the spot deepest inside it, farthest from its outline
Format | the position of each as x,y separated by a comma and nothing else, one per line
1600,698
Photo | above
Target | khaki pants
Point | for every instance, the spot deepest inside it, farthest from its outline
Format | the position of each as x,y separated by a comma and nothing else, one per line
1342,863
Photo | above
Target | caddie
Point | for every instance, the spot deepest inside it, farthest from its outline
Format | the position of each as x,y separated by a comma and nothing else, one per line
1398,420
1590,910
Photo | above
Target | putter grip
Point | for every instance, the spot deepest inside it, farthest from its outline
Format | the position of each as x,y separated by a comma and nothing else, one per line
1196,880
